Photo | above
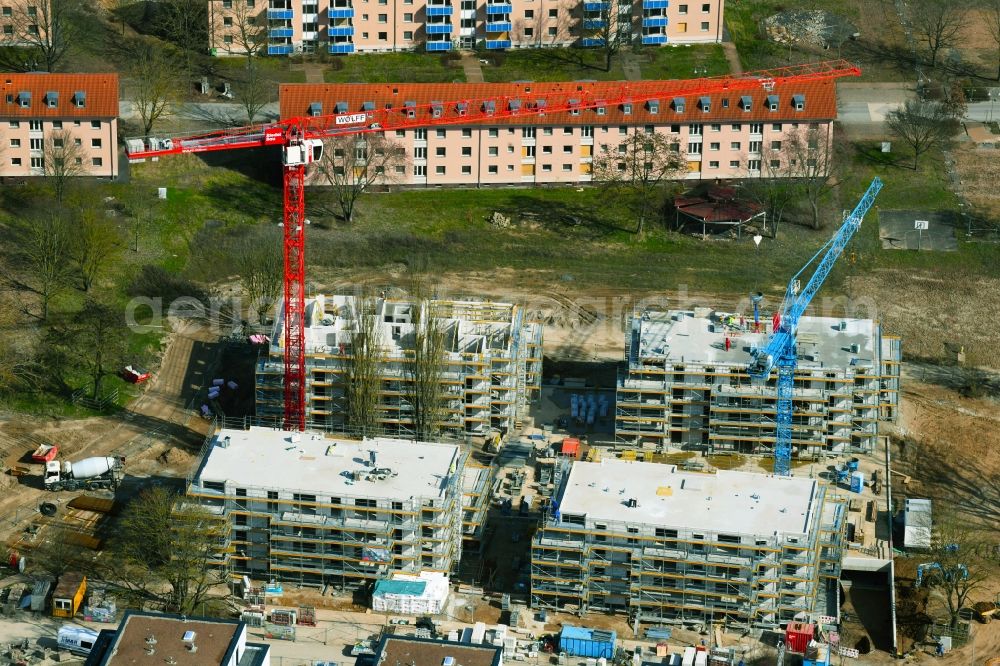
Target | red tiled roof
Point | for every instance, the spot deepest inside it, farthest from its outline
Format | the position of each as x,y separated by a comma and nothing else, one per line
101,95
820,101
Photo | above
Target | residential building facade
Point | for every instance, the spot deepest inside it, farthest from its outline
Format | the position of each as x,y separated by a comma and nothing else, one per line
664,546
491,364
59,125
322,510
283,27
685,384
721,135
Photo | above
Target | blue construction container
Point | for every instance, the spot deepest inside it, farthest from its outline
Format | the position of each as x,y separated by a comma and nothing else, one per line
584,642
857,482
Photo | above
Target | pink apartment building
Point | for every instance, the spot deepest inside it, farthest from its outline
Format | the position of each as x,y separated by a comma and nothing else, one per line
59,116
725,135
281,27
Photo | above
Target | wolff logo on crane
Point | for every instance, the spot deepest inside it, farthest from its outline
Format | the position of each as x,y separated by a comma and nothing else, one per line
350,118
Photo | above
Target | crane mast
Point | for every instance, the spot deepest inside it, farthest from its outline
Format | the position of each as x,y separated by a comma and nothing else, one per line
301,141
780,351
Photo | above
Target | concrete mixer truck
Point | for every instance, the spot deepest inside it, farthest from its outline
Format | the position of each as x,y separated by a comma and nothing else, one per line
98,473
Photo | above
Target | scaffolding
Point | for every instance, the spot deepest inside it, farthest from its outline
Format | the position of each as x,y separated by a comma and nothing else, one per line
490,372
662,574
312,538
705,399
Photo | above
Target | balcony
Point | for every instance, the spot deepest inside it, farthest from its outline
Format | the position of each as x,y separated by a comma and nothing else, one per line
440,10
654,39
341,12
343,47
438,46
655,4
596,6
499,8
593,24
499,26
438,28
498,43
345,31
654,22
280,32
593,41
280,14
280,49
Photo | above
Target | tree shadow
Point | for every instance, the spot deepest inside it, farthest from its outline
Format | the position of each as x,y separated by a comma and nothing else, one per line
872,154
579,219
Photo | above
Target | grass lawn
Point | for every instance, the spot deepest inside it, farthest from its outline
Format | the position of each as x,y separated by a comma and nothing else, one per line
394,67
550,64
277,69
681,62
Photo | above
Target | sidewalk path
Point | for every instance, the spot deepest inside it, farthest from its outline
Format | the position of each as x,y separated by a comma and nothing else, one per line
631,68
732,57
472,67
314,72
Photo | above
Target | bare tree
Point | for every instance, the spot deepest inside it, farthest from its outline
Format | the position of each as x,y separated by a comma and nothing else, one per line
811,161
44,247
62,160
121,8
611,27
185,23
97,341
260,263
426,392
155,85
990,11
97,240
249,27
922,125
637,168
968,561
364,368
46,28
938,23
256,91
770,184
353,163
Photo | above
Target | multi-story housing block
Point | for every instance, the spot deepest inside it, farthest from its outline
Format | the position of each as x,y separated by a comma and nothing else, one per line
283,27
685,383
321,510
490,364
660,545
722,135
59,125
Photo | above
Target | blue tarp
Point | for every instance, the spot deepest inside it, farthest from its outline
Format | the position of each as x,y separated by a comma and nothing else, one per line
584,642
411,587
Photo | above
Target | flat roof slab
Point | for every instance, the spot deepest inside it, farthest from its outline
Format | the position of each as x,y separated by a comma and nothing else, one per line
729,502
317,463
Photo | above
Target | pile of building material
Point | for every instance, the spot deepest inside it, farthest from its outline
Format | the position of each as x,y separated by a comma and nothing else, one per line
808,27
404,594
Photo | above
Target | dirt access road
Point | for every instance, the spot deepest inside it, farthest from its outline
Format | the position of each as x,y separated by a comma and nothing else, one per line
156,422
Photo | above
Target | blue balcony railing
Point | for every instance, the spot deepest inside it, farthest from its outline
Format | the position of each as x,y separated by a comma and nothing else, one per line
341,31
498,43
596,6
593,24
499,8
280,32
280,14
341,12
592,41
654,21
343,47
438,46
279,49
499,26
654,39
438,28
655,4
440,10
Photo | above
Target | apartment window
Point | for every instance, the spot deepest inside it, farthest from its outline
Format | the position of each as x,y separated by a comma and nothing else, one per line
494,132
420,171
694,130
408,17
407,34
37,163
755,146
529,32
364,17
675,129
694,148
567,167
753,165
546,131
33,29
400,169
7,11
440,133
383,18
227,39
756,128
35,144
94,124
714,164
553,31
734,164
32,11
466,132
775,145
364,35
34,125
775,164
547,167
529,151
706,8
97,161
510,149
736,127
528,132
529,13
15,161
623,130
568,150
439,151
8,30
649,129
716,127
467,151
704,26
15,143
77,142
492,169
57,142
420,153
553,13
682,9
567,130
383,36
400,133
494,151
714,145
95,143
466,170
227,21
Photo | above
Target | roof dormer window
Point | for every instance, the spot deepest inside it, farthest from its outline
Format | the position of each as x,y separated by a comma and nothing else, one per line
316,108
52,99
627,108
410,109
489,107
341,107
799,102
745,102
24,99
705,103
80,99
462,108
653,105
679,104
772,102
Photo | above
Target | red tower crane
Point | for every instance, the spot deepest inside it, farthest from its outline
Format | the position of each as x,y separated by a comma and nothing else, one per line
301,142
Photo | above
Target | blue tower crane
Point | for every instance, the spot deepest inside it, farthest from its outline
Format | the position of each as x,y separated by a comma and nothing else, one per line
780,350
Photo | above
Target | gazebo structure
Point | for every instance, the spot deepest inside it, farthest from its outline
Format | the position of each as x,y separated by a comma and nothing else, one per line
717,208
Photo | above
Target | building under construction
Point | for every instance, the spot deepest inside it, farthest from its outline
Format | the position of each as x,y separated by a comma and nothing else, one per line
490,366
319,510
661,545
685,384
